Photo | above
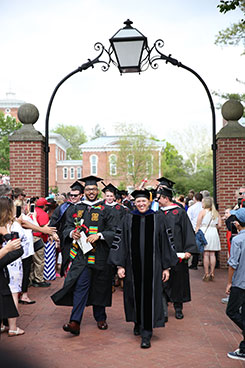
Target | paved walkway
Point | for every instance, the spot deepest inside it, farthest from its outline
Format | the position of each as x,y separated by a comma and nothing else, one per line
201,339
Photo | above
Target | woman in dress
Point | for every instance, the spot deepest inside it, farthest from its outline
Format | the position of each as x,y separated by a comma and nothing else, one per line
10,228
209,221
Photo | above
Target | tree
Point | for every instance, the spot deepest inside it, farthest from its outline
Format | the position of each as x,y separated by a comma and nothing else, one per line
136,154
235,34
98,132
75,136
7,126
194,160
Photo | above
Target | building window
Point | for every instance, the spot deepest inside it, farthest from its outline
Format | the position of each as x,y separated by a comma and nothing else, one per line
65,173
113,164
93,164
72,173
149,165
79,173
130,162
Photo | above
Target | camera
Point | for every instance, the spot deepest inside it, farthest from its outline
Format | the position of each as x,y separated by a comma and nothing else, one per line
11,236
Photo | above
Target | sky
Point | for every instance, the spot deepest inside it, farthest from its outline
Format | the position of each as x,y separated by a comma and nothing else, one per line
44,40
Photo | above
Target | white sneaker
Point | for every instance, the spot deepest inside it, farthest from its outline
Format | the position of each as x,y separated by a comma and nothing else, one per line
225,300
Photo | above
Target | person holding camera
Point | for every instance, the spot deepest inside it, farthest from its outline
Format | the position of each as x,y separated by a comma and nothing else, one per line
11,229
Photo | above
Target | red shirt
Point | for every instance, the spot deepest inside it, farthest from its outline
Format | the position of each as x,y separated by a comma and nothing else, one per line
42,219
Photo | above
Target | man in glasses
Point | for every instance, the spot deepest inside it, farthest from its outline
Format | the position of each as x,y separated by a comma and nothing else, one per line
59,219
88,276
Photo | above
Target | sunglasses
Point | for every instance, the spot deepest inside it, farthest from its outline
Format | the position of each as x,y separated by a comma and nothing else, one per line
74,195
241,193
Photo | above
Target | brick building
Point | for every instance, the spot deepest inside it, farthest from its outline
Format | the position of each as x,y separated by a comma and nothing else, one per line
62,172
9,106
100,158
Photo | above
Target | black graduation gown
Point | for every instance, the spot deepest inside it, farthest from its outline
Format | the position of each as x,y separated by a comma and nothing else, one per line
97,219
143,249
178,287
7,306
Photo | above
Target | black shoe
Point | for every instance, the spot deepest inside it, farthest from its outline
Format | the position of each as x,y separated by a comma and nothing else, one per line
193,267
179,314
145,343
136,329
236,355
40,284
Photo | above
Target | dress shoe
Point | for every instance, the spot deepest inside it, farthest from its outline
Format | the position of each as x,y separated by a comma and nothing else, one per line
193,267
179,314
102,325
40,284
72,327
145,343
136,329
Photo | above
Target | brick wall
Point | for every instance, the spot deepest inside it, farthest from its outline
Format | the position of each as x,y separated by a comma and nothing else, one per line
230,176
27,167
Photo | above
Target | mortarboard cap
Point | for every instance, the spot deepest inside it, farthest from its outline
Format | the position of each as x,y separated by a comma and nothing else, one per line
165,181
141,193
90,180
165,191
111,188
123,192
77,186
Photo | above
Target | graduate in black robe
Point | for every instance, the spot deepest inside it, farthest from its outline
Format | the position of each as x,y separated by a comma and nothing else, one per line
178,288
89,276
143,254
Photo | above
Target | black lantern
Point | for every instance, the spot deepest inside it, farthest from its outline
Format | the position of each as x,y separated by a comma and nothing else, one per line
128,45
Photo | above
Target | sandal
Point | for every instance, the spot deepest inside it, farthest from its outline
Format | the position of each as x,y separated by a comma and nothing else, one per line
18,332
4,329
211,277
206,277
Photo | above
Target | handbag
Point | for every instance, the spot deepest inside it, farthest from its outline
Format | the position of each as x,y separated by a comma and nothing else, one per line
38,244
201,241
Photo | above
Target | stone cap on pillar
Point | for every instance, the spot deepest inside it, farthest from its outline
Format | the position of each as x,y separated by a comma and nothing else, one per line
28,115
232,111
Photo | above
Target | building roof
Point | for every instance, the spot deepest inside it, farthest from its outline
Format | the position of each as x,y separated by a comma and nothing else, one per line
59,140
10,101
70,163
110,143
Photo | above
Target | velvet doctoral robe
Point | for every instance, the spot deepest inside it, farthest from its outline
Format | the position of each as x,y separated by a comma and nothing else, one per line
142,247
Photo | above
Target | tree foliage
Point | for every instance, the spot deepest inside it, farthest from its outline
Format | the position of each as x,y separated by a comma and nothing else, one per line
98,132
192,166
235,34
136,155
75,136
7,126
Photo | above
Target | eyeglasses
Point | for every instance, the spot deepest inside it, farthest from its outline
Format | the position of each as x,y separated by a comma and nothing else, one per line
91,190
241,193
74,195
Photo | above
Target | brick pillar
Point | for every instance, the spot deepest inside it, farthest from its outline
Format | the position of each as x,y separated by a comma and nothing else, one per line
230,164
27,158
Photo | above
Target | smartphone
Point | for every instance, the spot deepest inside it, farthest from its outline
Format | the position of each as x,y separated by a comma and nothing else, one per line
18,211
32,208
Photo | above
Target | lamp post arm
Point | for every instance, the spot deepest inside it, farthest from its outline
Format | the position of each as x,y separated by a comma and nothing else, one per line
85,66
175,62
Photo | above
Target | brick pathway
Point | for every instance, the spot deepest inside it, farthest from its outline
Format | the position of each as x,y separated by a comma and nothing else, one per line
201,339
